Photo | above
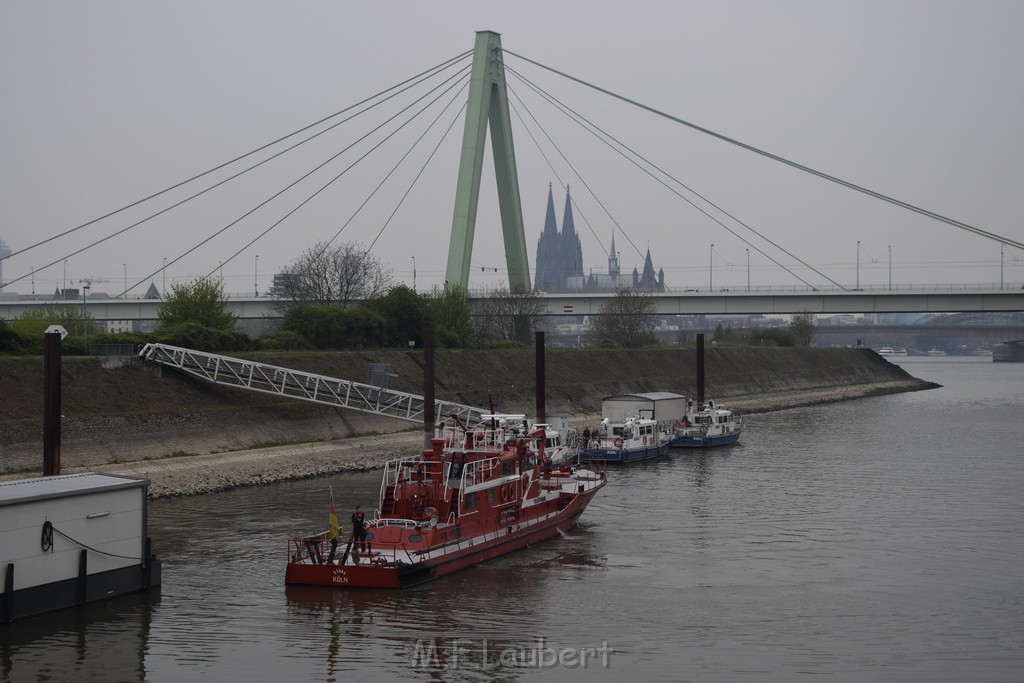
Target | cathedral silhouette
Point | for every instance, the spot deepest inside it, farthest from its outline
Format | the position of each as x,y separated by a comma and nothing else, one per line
559,264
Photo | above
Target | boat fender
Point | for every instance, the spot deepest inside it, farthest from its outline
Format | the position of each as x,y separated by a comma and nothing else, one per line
618,442
504,494
526,482
645,440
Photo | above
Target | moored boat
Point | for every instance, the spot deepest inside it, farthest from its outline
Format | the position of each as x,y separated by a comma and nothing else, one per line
629,440
476,494
707,425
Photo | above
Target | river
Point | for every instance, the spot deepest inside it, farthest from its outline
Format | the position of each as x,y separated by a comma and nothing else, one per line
877,539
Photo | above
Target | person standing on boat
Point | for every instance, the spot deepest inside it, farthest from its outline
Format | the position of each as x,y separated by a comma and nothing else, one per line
358,528
586,437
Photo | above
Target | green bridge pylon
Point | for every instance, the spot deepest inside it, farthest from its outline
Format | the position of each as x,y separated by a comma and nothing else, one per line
488,102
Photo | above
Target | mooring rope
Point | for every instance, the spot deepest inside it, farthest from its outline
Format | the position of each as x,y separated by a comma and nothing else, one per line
47,543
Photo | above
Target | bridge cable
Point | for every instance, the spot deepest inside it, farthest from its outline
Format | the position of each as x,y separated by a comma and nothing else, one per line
422,169
845,183
216,185
551,166
572,114
458,75
372,193
575,203
424,74
384,180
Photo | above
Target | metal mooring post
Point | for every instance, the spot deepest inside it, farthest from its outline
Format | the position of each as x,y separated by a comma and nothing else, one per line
429,412
51,404
539,369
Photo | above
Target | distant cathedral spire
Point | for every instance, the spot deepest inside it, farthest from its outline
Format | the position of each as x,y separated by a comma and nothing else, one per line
550,226
568,226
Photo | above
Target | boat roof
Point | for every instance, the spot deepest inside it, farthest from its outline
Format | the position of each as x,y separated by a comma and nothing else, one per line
650,396
59,486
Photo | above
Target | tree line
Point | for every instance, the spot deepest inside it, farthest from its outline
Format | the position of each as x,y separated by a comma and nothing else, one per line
342,297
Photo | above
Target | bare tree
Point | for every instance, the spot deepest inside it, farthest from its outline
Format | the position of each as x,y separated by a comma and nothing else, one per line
627,319
508,315
802,325
334,274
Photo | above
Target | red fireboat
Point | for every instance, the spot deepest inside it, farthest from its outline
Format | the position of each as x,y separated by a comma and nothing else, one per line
477,494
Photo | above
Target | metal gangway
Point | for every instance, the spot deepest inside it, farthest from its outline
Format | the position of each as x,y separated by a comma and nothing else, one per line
305,386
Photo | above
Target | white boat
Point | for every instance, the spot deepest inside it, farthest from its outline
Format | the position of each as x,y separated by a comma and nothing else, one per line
561,442
936,352
634,438
706,426
886,351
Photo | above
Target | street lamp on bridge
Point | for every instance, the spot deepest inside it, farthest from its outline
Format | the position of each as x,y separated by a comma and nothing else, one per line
857,286
711,270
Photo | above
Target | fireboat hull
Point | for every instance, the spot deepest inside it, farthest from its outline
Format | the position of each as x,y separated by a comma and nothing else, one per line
469,551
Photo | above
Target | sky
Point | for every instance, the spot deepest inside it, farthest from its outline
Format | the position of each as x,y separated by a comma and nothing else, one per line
105,103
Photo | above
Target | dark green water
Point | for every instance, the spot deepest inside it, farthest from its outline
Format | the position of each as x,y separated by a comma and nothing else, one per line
879,539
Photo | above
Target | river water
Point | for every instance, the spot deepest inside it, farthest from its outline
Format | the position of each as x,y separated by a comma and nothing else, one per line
877,539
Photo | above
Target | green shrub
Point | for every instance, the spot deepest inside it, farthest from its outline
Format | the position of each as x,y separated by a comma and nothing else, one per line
195,336
283,340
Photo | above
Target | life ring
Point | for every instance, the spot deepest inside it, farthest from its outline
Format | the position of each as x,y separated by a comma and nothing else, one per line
645,440
703,430
618,442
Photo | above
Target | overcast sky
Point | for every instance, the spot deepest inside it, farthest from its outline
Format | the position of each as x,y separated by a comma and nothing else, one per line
104,103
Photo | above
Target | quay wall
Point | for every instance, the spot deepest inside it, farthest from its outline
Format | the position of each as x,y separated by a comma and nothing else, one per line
140,413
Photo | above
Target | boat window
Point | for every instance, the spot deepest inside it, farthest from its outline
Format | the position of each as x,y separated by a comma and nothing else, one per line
506,468
617,431
469,502
490,496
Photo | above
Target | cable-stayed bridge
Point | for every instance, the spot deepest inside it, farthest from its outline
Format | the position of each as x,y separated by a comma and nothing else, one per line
481,85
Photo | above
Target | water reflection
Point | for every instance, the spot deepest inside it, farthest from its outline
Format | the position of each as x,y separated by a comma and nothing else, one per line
107,639
482,620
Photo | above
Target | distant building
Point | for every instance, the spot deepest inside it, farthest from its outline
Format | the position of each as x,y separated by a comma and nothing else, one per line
285,284
121,326
559,263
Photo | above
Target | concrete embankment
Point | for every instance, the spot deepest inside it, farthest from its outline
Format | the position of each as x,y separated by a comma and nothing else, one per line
190,438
